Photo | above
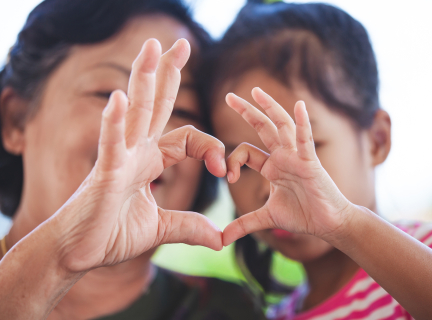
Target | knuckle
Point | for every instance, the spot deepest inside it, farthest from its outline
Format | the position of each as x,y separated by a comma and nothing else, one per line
243,146
167,102
304,140
241,223
258,126
280,124
144,104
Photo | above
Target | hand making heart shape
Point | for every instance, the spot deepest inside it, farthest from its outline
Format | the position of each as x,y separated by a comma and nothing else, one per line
303,198
113,216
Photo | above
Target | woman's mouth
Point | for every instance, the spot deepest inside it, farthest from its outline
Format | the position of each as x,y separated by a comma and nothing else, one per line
282,234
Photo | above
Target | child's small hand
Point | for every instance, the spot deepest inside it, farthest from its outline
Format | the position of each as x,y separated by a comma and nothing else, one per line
303,197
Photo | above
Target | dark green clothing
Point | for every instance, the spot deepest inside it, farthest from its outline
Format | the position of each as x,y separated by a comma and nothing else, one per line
178,297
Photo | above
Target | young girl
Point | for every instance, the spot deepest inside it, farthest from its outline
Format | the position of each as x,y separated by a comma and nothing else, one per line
313,199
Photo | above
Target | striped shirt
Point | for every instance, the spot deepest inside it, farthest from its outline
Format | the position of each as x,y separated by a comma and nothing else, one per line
361,298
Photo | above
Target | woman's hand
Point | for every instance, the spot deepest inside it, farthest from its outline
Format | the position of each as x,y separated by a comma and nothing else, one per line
113,216
303,198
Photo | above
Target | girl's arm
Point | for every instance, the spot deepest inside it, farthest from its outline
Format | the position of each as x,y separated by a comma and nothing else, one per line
304,199
398,262
113,217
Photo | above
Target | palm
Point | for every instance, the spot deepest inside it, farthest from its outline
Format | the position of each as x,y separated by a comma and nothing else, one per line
136,227
293,192
113,216
303,198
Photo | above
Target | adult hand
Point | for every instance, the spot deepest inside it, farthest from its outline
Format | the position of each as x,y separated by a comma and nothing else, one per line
303,198
113,216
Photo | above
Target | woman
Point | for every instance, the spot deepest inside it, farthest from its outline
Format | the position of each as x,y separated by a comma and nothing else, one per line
68,59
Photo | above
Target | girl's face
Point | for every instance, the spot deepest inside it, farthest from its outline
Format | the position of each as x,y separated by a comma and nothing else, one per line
61,140
343,150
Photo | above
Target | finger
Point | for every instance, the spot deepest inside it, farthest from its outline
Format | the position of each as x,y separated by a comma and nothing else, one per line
246,224
167,84
112,143
282,120
245,154
188,227
141,92
187,141
265,128
305,143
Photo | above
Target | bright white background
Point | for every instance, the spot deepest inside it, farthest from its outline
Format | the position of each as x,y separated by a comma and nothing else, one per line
401,33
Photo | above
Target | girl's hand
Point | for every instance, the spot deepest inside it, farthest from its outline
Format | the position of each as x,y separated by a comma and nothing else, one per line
113,216
303,198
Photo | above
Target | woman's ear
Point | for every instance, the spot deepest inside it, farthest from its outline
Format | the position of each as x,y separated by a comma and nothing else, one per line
13,117
380,137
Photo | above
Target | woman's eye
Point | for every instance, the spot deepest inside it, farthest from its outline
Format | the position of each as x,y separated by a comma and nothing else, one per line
186,115
103,94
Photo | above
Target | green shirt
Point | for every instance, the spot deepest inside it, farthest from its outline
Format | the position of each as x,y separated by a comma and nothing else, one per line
178,297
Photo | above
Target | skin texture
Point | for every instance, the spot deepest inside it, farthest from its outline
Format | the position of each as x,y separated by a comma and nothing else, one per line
59,145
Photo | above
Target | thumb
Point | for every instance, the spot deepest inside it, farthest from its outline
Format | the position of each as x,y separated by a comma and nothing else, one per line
248,223
188,227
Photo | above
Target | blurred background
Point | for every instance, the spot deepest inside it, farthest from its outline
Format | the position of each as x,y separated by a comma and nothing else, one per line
401,34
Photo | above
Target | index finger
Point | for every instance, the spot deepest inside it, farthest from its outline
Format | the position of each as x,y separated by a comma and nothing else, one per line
265,128
282,120
167,84
141,91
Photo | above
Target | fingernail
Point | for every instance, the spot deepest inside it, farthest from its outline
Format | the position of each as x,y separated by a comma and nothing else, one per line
230,176
303,103
258,88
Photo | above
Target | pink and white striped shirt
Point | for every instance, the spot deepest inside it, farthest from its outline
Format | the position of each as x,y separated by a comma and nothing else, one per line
361,298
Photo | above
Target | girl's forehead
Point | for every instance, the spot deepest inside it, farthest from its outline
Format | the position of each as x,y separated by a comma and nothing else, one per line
228,124
243,85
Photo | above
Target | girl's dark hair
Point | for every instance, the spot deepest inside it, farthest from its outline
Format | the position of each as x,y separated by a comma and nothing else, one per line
51,29
316,45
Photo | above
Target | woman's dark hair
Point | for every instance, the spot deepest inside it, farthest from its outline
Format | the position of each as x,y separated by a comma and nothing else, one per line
316,45
51,29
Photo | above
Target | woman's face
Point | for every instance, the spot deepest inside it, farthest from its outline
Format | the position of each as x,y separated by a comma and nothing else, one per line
342,150
61,140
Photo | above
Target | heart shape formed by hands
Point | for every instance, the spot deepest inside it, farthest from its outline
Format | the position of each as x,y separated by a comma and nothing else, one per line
113,216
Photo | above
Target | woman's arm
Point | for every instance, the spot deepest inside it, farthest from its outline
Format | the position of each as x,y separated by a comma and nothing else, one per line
32,279
304,199
113,217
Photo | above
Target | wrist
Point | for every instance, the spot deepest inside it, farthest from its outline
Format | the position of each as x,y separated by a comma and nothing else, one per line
50,242
353,222
344,224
